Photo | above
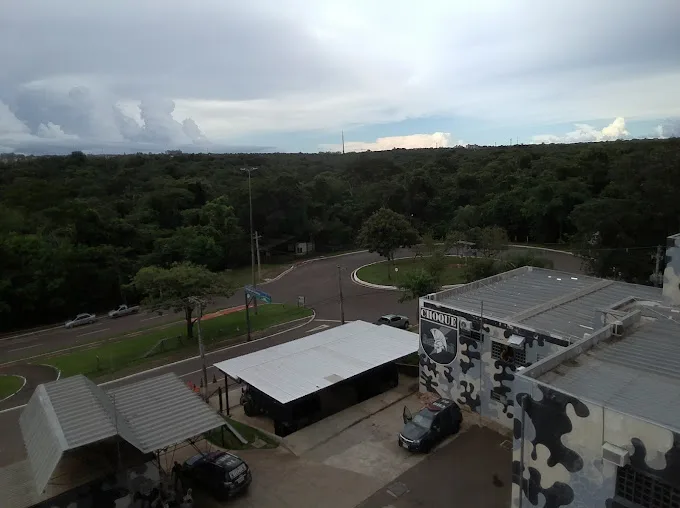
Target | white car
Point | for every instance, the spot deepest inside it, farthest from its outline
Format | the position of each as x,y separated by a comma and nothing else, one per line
81,319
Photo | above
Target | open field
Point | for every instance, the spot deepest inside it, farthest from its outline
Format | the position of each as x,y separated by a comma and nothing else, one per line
454,273
9,385
141,348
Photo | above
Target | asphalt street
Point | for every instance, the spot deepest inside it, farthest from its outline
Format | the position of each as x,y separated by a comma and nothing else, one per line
316,281
189,370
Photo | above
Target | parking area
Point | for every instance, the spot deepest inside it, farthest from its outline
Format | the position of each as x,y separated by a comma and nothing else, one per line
363,466
473,470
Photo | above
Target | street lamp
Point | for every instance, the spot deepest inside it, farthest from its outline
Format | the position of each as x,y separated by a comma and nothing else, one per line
201,349
252,247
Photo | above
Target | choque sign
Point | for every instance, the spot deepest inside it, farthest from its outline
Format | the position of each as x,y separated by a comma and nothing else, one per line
439,317
439,336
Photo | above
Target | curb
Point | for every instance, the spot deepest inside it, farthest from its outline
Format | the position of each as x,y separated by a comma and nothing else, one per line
355,278
51,367
307,261
21,388
547,249
130,376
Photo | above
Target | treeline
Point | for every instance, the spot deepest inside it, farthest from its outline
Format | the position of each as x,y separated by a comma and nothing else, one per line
74,230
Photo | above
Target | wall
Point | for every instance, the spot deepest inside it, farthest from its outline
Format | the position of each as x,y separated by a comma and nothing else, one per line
671,274
563,439
465,370
114,492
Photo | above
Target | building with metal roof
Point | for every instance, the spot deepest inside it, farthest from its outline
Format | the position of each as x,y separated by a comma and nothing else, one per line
290,371
65,416
293,381
585,371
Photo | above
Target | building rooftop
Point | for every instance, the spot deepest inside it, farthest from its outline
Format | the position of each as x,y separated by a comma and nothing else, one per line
637,373
559,303
292,370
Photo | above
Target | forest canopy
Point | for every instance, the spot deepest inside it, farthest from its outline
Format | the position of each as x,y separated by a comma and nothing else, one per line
75,230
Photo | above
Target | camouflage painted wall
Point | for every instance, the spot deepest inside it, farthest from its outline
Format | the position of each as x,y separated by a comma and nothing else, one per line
456,359
563,439
671,274
117,491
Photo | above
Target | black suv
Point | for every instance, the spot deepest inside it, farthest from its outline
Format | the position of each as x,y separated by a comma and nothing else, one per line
220,473
430,425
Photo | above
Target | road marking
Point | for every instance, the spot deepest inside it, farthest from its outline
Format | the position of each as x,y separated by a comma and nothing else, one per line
90,333
308,320
21,348
26,334
318,328
150,318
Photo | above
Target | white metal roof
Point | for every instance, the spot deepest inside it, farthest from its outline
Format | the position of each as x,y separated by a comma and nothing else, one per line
73,412
292,370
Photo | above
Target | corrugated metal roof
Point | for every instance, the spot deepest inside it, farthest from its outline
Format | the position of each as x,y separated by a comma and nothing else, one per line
638,374
517,294
581,315
162,411
73,412
300,367
559,303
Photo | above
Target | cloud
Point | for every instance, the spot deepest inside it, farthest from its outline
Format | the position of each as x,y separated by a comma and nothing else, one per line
587,133
434,140
668,129
238,71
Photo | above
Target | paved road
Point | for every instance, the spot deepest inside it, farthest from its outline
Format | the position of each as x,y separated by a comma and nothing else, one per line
11,443
471,471
317,281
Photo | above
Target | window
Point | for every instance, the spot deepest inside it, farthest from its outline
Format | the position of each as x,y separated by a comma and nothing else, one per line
644,490
512,355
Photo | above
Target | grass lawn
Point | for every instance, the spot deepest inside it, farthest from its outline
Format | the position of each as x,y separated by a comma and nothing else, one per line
377,273
225,439
9,385
146,347
242,276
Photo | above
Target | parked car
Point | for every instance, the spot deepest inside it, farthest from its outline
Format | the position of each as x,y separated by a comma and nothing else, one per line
222,474
124,310
430,425
393,320
81,319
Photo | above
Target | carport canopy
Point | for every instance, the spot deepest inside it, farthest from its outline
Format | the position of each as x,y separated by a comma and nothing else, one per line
290,371
70,413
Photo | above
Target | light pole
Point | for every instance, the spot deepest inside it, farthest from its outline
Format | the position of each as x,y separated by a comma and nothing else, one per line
201,349
252,246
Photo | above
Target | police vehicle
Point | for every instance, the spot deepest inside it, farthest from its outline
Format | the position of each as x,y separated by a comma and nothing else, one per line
430,425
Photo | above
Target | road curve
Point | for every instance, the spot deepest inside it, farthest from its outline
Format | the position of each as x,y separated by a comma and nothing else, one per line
316,280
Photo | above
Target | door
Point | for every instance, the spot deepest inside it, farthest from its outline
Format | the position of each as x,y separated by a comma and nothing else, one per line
407,416
436,427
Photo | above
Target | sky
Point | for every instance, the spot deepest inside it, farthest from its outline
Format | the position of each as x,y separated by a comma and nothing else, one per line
292,75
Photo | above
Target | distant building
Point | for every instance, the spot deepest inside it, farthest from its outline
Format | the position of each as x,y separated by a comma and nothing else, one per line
585,371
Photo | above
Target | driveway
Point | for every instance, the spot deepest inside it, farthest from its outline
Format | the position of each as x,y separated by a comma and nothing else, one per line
473,470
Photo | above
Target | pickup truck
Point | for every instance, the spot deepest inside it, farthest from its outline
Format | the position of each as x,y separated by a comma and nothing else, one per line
124,310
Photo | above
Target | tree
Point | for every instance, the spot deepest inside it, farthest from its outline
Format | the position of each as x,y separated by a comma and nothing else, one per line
386,231
416,284
492,240
180,287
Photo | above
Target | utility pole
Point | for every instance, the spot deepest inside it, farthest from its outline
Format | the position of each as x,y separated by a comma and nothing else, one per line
657,275
257,249
342,303
201,348
247,314
252,239
343,142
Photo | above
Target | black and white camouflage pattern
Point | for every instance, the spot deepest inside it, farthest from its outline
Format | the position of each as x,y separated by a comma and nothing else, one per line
473,375
563,437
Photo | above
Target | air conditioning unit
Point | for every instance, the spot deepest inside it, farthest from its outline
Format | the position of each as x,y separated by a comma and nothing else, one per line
615,455
617,328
